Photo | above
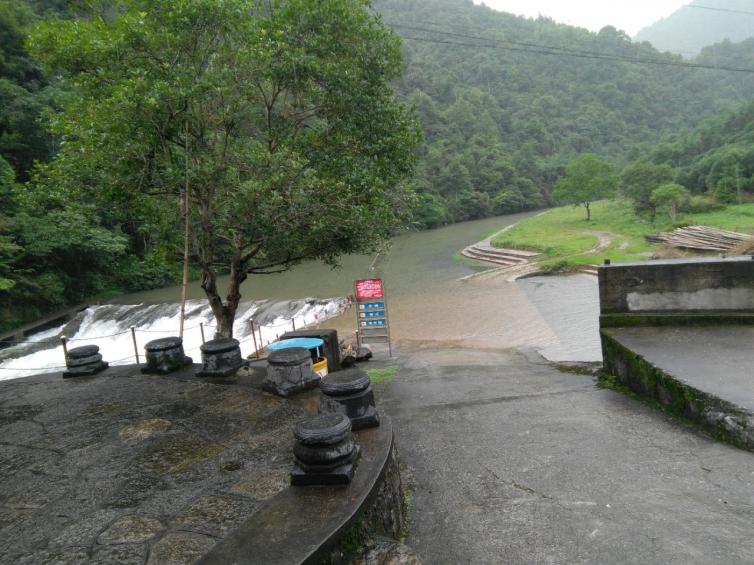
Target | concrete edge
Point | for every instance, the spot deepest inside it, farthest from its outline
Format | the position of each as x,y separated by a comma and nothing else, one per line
724,420
301,525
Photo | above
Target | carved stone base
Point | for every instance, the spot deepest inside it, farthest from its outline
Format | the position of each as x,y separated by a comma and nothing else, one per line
290,371
165,356
220,358
325,451
350,392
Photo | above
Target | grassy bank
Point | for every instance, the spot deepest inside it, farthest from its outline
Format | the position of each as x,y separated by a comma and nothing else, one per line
615,232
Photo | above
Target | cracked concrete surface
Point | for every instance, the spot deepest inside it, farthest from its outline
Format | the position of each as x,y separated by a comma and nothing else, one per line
512,461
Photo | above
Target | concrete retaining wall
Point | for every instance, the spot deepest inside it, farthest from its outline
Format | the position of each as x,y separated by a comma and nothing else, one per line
678,285
724,420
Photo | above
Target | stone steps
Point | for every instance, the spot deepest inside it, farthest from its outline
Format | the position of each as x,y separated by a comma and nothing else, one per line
505,257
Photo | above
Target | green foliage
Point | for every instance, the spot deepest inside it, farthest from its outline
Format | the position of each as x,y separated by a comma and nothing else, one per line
500,125
671,195
385,374
586,179
639,179
565,241
279,116
716,159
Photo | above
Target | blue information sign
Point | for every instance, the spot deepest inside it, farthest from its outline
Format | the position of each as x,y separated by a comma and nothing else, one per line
371,314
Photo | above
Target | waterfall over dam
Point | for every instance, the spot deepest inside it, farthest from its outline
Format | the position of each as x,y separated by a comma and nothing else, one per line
109,327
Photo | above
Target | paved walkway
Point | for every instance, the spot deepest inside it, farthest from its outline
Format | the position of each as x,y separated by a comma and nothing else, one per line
513,461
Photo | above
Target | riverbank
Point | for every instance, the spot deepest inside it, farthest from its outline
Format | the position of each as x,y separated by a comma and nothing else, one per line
566,240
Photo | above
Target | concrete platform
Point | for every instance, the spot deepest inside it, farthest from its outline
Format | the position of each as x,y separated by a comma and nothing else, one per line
704,373
513,461
716,360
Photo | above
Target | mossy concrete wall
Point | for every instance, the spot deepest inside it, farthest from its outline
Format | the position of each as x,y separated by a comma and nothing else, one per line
722,419
678,285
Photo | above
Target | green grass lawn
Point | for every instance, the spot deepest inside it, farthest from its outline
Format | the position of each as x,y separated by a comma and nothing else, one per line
563,234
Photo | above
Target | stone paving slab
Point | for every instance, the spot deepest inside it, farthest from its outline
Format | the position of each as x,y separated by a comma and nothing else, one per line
513,461
129,468
716,360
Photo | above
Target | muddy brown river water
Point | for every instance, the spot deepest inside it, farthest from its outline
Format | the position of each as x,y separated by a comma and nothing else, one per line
430,302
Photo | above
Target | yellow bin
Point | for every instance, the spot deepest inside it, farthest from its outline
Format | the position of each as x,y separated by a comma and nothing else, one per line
320,366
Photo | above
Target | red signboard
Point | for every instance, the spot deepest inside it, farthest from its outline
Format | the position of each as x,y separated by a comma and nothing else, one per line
369,289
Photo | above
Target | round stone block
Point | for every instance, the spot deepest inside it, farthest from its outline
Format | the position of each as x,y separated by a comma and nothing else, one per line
324,454
291,357
221,357
83,351
327,467
163,343
347,381
82,361
219,345
165,355
323,429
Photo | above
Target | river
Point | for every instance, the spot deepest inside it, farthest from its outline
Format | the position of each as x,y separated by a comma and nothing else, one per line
430,298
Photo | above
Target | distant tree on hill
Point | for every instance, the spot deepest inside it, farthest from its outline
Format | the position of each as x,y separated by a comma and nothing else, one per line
638,181
671,195
586,180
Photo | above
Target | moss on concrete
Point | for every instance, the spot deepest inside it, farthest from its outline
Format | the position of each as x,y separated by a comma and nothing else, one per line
725,421
383,375
628,320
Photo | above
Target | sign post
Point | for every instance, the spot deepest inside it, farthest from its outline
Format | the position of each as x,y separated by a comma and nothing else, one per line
371,312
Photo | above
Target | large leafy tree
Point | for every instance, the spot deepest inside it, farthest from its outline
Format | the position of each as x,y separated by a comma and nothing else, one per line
277,117
586,179
671,195
639,179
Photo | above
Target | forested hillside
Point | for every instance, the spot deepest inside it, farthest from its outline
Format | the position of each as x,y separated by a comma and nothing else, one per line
716,159
502,116
700,24
505,103
56,249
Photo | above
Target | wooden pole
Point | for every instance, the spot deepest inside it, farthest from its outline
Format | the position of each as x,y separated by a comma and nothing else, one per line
186,234
254,335
64,340
136,347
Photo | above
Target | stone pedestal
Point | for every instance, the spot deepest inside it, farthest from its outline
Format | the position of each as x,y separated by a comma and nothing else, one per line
82,361
324,452
165,356
220,358
350,392
290,371
331,348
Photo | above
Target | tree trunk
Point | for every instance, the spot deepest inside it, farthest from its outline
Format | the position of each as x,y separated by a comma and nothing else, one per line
588,211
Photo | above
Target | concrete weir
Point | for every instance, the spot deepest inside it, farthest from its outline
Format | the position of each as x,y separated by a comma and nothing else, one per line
680,332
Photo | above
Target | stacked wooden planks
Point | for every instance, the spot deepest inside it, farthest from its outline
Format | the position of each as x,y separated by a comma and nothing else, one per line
701,238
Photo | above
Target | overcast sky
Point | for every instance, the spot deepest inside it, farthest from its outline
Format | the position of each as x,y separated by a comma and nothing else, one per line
628,15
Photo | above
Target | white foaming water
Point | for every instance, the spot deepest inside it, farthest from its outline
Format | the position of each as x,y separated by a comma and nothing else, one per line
109,327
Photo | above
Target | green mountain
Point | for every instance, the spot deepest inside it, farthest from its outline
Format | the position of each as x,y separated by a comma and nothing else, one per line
505,102
700,24
716,158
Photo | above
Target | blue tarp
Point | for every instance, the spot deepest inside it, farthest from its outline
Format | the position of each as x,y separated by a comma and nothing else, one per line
305,342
